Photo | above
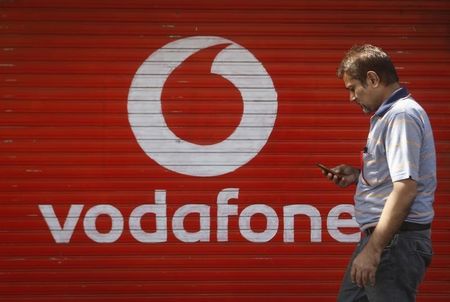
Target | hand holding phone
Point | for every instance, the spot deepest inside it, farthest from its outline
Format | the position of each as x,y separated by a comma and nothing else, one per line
328,170
346,176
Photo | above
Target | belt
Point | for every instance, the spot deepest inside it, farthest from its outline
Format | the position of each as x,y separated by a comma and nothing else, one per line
405,227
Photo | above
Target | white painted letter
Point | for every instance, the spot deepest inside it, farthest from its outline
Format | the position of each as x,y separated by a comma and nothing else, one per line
61,234
308,210
245,227
333,223
116,227
160,211
224,210
178,223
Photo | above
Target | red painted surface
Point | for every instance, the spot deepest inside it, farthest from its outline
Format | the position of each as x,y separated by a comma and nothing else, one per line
66,68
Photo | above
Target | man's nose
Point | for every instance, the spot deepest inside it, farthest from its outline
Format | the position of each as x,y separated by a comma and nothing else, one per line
352,98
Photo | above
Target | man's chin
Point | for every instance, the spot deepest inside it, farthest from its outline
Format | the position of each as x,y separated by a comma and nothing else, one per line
365,109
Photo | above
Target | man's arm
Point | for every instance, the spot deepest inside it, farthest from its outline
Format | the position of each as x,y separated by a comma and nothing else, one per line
394,213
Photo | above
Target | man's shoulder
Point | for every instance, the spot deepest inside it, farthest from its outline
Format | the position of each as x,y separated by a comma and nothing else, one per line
407,106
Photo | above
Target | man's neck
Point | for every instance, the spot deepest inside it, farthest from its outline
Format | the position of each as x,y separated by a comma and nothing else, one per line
389,90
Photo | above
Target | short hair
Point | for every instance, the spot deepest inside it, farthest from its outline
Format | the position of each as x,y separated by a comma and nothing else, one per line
363,58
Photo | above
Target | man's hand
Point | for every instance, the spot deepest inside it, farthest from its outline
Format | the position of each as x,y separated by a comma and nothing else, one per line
347,175
395,210
365,266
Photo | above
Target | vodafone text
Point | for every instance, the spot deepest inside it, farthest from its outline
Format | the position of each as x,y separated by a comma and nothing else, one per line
63,234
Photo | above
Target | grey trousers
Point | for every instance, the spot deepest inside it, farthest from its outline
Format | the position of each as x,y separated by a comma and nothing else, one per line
401,270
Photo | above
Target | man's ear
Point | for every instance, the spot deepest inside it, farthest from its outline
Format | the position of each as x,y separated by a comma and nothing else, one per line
372,79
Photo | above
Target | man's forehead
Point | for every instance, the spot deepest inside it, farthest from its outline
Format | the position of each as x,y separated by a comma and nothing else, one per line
349,81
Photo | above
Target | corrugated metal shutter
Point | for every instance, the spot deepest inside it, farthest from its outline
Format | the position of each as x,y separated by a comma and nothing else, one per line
66,72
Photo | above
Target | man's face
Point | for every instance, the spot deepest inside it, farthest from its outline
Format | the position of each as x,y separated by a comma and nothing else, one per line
364,96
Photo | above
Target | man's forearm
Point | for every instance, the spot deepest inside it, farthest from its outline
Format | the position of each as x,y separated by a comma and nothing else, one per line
394,213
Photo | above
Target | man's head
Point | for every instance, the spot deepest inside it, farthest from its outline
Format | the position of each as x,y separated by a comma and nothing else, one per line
369,75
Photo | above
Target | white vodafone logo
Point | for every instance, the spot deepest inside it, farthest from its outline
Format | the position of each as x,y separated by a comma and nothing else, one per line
234,63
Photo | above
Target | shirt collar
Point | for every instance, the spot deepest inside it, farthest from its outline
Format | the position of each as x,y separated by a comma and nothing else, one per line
398,94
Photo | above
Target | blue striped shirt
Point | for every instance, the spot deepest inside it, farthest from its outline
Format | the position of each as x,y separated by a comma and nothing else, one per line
400,145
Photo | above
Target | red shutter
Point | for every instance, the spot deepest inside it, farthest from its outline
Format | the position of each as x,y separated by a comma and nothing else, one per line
67,145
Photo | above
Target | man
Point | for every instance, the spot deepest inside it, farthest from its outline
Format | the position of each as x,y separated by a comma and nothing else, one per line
395,185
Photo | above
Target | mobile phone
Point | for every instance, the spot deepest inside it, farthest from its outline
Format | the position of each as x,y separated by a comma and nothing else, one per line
326,169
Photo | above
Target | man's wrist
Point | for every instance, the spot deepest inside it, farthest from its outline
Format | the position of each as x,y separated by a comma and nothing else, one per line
374,247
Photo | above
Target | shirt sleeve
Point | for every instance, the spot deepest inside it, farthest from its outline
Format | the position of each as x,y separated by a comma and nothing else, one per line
403,143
